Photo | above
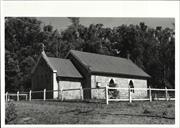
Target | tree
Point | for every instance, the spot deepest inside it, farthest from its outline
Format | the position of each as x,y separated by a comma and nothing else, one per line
11,71
22,36
151,49
166,55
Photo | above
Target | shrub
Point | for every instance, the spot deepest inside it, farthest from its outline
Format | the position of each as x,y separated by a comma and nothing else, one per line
10,112
170,105
146,111
113,93
164,113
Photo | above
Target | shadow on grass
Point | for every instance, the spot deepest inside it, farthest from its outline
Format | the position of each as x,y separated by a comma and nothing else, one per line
142,115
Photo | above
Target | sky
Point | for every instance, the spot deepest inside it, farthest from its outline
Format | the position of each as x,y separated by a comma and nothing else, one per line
62,23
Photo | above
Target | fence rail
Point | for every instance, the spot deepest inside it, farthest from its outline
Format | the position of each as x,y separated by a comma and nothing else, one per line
152,94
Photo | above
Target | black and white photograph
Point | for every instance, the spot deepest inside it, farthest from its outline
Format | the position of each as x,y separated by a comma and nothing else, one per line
92,70
68,70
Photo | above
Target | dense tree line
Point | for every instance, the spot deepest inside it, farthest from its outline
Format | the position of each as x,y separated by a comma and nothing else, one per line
152,49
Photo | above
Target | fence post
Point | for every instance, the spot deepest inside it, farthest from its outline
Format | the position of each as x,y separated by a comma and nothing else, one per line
17,95
58,90
30,95
106,93
26,96
166,93
6,99
58,93
155,97
150,96
130,98
44,96
61,94
81,94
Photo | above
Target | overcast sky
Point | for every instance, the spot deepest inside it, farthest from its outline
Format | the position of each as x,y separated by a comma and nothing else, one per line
62,23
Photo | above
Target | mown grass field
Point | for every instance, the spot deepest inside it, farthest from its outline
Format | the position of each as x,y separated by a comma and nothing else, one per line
54,112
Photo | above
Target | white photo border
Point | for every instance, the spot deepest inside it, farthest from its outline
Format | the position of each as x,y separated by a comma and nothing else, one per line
130,9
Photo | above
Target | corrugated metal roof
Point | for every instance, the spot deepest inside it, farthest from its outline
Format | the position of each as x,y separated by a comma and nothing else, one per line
64,67
108,64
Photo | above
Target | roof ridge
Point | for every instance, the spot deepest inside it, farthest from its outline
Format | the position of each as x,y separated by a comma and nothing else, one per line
58,58
100,54
47,60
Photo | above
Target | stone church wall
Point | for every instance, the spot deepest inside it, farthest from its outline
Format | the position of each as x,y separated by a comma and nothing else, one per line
74,94
103,81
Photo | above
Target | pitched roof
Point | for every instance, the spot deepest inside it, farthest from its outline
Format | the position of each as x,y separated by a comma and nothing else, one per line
43,55
98,63
64,67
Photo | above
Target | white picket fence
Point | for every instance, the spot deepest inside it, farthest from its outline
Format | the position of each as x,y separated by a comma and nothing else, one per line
17,95
28,95
165,94
149,96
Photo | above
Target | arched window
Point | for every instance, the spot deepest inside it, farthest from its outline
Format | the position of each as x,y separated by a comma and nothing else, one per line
111,83
113,93
131,85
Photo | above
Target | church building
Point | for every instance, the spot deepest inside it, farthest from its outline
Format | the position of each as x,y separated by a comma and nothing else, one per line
87,70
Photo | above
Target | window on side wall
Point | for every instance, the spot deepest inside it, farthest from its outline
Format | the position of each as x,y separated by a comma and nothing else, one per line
111,83
131,85
98,84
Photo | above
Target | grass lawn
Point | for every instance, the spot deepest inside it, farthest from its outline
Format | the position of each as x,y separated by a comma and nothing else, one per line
54,112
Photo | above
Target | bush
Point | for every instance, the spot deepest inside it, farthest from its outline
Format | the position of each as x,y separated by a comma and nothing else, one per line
170,105
10,112
146,111
164,113
113,93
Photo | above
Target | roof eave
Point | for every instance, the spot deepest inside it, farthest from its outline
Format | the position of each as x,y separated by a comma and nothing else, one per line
119,75
69,78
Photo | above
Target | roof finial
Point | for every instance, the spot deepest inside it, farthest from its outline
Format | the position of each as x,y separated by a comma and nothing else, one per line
42,47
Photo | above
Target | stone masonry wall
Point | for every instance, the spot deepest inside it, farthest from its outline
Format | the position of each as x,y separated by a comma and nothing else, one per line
74,94
121,82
